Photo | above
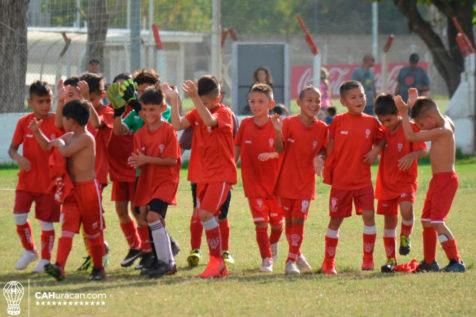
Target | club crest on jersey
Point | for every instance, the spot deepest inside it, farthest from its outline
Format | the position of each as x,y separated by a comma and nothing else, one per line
367,133
314,144
271,142
161,148
400,147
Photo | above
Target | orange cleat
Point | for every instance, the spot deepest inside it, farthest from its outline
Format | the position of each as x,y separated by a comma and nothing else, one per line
367,263
216,268
329,267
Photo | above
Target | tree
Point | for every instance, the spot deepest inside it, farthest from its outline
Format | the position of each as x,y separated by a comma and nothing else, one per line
13,52
448,60
97,18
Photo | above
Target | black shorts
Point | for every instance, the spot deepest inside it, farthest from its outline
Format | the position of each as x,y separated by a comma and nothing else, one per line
159,206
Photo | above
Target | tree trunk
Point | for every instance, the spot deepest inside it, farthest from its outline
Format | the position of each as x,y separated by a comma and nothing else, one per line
13,52
448,62
98,19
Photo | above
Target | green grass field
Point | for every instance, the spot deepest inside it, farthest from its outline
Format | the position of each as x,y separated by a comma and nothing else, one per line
250,293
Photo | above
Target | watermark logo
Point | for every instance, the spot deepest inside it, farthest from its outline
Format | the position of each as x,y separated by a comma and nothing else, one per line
13,292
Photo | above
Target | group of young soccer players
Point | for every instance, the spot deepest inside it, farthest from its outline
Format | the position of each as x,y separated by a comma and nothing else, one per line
67,157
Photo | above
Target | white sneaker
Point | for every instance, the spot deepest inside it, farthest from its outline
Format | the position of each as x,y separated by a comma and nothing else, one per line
40,266
274,251
26,258
303,265
291,268
266,265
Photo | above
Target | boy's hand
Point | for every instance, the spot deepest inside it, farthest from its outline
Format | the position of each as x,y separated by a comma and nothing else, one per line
318,163
267,156
61,91
277,122
118,104
169,92
137,159
401,105
84,89
190,88
406,162
370,157
23,163
35,125
412,97
128,90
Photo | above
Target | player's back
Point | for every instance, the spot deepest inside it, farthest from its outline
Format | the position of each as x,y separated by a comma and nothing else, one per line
81,165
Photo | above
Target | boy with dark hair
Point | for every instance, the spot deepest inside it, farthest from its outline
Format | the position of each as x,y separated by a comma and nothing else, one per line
439,129
259,170
212,145
355,140
83,205
33,179
302,139
396,179
157,154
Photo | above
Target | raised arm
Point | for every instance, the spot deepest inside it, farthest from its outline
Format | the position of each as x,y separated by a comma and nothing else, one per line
42,140
178,121
278,135
191,89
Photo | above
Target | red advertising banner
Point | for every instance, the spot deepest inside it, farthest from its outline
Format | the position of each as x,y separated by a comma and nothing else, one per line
338,73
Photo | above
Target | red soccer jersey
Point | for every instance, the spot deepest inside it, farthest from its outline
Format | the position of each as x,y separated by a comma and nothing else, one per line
37,180
297,179
212,148
354,136
391,181
119,149
102,136
258,177
157,181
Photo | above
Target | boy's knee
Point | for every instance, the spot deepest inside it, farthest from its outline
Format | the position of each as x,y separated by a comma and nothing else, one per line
261,224
204,215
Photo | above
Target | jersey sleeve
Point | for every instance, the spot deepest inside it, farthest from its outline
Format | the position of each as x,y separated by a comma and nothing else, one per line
416,146
379,131
191,116
167,114
224,119
18,134
129,120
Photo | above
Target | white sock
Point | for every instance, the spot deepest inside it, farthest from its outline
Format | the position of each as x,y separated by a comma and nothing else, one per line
161,243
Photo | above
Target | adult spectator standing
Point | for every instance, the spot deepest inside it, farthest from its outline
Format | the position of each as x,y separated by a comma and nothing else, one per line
412,76
365,75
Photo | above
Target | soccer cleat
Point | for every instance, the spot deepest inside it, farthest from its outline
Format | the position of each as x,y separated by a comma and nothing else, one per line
54,271
97,274
88,262
131,257
329,267
26,258
159,269
303,265
194,258
428,267
228,258
173,270
455,267
291,268
40,266
266,265
147,258
274,251
216,268
405,245
389,267
105,257
367,263
174,246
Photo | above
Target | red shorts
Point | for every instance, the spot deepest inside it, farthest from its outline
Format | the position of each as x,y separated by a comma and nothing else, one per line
46,208
265,210
439,197
390,207
340,201
123,191
295,208
83,206
210,197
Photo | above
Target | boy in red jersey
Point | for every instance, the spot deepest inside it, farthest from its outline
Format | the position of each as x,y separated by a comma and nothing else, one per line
157,154
33,179
396,179
212,143
439,129
259,169
83,205
355,140
302,138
